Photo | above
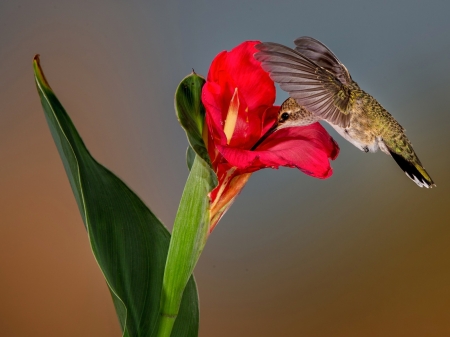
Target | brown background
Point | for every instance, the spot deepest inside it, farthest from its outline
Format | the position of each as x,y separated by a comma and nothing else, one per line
365,253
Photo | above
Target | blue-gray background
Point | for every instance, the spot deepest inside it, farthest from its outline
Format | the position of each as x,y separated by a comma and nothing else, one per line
364,253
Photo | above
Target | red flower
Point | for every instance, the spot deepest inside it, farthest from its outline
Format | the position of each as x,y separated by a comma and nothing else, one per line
238,96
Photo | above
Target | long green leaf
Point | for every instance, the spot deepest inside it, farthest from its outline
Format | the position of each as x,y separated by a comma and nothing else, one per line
129,243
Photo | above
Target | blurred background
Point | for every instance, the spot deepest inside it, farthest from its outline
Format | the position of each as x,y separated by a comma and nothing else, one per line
364,253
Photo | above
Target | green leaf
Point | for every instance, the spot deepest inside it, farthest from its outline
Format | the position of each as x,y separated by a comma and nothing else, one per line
190,156
129,243
191,112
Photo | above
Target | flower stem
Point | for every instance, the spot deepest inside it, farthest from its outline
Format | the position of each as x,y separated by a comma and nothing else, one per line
165,325
189,235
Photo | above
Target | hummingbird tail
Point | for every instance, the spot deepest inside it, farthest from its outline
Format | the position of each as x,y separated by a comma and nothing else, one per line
414,171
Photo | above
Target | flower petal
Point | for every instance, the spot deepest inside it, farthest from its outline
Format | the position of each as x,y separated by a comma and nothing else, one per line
256,92
232,115
254,83
308,148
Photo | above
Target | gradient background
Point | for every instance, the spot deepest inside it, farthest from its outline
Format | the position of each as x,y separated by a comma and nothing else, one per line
365,253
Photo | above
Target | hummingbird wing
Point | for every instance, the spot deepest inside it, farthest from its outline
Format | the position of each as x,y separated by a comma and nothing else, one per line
313,86
317,52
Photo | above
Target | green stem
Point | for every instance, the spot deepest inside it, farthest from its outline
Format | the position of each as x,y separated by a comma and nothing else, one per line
165,325
189,235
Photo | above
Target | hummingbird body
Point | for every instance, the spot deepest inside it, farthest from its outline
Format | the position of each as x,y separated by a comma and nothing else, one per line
321,88
371,127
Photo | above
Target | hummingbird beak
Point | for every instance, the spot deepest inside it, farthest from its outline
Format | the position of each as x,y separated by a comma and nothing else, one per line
267,134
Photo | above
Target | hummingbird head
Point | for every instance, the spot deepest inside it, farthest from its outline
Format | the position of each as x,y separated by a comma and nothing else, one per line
293,114
290,114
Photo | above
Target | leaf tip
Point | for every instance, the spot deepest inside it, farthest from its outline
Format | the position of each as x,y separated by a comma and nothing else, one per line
38,73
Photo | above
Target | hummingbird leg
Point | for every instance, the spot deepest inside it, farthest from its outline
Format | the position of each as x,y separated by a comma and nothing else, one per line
366,149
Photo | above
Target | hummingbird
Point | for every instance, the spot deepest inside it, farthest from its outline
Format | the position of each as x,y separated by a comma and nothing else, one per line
321,88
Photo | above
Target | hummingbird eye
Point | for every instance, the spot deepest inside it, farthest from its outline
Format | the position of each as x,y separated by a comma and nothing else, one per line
284,116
